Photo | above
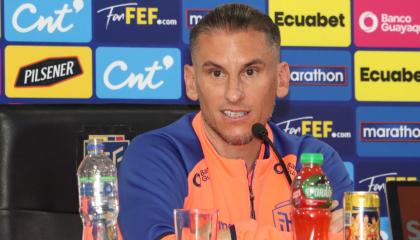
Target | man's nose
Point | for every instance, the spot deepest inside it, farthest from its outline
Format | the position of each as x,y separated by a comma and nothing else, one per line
234,90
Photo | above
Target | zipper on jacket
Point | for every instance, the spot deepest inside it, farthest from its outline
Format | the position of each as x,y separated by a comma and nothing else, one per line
251,193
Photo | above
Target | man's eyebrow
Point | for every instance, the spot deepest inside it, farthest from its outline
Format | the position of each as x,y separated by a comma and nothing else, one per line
211,64
254,62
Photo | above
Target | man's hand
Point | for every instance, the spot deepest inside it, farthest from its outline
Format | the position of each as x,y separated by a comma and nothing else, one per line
336,224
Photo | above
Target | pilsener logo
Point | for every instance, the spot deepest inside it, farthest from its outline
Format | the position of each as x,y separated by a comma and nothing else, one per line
318,75
303,24
48,72
390,132
125,21
57,21
193,16
121,74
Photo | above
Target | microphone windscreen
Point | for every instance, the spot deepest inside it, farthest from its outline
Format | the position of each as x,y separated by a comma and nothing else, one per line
259,131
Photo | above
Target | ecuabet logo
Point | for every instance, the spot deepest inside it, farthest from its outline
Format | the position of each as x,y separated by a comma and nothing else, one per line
303,24
121,74
388,131
48,72
387,23
378,77
57,21
136,22
318,75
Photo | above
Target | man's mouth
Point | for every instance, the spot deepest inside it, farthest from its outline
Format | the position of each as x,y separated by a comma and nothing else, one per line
235,114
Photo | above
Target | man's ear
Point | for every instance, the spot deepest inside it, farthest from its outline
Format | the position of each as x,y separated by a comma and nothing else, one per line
189,78
283,77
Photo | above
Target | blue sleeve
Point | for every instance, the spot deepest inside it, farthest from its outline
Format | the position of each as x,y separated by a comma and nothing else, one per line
333,167
152,182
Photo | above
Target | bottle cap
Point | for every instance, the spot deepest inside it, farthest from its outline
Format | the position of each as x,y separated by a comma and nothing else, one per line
315,158
95,143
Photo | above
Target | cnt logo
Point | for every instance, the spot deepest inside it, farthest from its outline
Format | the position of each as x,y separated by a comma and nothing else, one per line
48,72
317,128
403,24
193,16
139,80
134,14
61,20
390,131
319,75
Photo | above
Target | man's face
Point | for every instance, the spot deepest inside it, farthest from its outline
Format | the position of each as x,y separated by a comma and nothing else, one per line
236,76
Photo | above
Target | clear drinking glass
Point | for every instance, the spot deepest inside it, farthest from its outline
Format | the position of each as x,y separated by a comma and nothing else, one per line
196,224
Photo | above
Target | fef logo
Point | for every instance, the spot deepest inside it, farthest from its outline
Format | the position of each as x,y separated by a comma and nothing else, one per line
57,21
387,23
319,75
115,146
144,22
308,125
301,23
193,16
378,77
388,131
282,220
138,73
48,72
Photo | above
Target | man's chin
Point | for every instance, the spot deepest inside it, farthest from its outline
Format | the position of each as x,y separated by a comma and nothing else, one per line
237,141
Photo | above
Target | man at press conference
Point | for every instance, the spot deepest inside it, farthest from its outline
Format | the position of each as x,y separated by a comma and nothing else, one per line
211,159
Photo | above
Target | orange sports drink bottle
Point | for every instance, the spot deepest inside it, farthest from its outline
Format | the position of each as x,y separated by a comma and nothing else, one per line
311,199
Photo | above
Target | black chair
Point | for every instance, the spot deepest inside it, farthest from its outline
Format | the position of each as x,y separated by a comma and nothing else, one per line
41,147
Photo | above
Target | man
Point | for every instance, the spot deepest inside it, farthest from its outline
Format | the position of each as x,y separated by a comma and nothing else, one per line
211,159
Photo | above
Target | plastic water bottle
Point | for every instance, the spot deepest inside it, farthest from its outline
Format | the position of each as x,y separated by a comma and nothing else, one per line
98,194
311,200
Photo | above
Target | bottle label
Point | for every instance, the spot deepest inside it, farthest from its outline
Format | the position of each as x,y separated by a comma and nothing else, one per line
97,186
317,187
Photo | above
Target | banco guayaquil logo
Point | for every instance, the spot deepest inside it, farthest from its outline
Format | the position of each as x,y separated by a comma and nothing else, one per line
55,21
138,73
370,22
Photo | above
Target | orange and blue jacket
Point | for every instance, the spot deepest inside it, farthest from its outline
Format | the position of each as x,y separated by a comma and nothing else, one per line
177,167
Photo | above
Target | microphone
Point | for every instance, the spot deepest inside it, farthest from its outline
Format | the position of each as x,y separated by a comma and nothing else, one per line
259,131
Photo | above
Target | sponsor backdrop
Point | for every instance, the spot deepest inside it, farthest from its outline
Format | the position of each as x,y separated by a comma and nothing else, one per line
355,68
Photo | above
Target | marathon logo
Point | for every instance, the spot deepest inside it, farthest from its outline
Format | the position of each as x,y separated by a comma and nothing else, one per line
48,72
403,75
390,132
369,22
317,20
318,75
193,16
